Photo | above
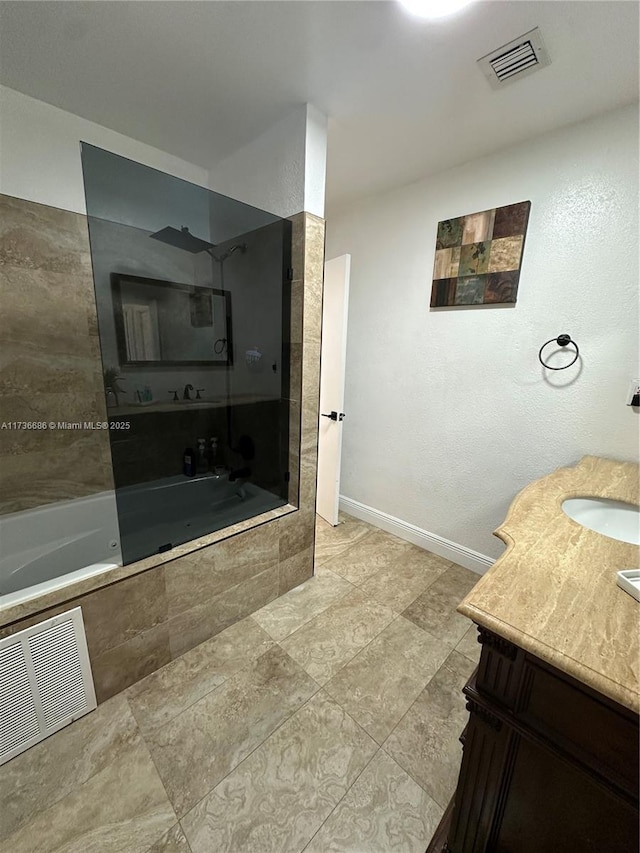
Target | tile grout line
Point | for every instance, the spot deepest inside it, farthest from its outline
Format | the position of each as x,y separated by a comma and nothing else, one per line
347,547
311,618
155,767
262,743
385,749
395,616
348,789
225,678
422,591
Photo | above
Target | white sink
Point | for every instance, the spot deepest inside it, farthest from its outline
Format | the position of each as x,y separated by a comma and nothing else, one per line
615,519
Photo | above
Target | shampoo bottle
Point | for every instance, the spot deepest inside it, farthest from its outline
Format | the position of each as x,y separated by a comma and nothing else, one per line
202,464
189,463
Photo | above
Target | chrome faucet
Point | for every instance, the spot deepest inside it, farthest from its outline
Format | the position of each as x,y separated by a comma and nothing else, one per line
185,393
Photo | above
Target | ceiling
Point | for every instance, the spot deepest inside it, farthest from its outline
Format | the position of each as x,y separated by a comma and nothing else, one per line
404,97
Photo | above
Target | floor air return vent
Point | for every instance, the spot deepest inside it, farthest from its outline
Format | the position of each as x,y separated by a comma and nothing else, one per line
45,682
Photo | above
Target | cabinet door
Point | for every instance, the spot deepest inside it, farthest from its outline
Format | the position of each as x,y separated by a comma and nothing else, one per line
553,807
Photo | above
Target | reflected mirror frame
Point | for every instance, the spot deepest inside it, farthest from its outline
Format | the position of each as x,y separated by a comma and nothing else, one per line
118,279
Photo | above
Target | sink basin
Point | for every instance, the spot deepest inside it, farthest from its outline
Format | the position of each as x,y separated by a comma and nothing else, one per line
615,519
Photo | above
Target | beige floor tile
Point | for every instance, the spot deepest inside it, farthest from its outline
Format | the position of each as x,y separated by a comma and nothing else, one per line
434,610
469,645
173,841
286,614
122,809
425,742
381,683
197,749
402,581
40,777
385,811
373,553
323,570
331,541
276,800
166,693
325,644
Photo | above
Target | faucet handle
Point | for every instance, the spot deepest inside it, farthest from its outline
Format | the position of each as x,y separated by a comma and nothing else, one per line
175,395
198,390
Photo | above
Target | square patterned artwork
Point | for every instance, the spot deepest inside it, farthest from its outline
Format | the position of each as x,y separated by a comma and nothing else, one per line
478,257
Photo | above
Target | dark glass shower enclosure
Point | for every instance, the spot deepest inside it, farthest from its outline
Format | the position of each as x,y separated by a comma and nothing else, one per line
193,300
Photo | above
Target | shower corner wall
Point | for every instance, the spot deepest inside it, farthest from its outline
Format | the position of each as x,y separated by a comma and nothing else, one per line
139,623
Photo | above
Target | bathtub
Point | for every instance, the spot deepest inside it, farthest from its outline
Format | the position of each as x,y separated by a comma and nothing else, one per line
58,544
159,515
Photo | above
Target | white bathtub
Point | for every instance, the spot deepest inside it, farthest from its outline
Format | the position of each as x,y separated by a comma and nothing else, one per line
156,516
58,544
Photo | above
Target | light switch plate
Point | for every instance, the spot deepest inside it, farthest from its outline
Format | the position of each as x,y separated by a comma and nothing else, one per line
634,391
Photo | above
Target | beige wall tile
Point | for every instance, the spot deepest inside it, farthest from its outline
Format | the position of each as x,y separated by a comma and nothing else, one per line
36,236
123,665
54,473
205,620
296,533
295,570
297,244
50,362
249,554
116,613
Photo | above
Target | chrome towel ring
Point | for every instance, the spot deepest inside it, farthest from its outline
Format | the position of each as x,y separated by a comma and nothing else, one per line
562,341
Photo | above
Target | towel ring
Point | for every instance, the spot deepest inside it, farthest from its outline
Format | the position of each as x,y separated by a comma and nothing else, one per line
562,341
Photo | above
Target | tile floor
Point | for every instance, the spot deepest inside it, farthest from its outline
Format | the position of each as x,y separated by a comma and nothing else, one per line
327,722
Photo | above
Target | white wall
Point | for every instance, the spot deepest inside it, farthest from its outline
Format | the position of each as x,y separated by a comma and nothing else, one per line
449,413
315,161
283,169
40,152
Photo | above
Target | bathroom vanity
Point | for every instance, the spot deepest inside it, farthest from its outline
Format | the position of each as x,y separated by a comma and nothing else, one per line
550,751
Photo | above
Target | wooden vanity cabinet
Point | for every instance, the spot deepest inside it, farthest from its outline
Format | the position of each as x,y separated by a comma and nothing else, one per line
549,765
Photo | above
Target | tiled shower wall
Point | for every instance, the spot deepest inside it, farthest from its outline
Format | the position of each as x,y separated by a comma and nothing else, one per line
50,361
50,366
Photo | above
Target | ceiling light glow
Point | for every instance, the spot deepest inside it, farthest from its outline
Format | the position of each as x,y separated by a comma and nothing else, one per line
434,8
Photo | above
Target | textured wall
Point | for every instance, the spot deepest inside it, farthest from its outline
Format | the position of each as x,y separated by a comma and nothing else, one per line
141,622
449,412
283,169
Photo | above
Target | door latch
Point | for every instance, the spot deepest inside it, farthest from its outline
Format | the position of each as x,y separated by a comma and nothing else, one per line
334,416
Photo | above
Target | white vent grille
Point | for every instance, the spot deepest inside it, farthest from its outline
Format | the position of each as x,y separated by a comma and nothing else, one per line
520,57
45,682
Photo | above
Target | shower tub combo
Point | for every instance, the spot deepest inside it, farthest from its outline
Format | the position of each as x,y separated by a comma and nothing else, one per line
154,517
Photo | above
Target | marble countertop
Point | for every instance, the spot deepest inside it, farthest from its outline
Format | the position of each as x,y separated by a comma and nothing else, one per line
554,592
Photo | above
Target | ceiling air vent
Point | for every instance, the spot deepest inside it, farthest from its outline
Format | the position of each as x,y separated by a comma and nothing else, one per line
519,57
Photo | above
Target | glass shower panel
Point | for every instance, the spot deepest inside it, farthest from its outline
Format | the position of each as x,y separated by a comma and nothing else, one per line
193,301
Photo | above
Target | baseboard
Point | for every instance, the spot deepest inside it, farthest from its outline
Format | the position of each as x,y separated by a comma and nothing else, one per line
478,563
